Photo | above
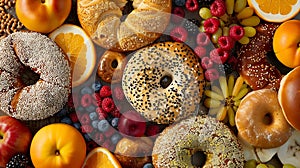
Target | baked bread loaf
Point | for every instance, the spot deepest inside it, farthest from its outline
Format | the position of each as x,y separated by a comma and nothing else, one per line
22,53
102,20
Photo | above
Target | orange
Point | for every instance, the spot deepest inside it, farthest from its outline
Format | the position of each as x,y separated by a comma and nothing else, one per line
286,43
80,50
275,10
58,145
101,157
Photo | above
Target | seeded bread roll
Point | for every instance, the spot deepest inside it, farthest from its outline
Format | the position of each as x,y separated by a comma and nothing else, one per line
179,143
21,53
102,20
164,82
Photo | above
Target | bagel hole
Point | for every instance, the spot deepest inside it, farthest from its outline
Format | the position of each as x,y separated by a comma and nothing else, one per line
43,1
114,63
198,159
165,81
267,120
29,77
128,8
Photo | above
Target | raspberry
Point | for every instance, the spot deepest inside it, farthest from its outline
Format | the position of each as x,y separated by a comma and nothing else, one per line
236,32
179,2
97,99
99,138
218,8
202,39
177,14
226,42
219,55
109,132
101,113
179,34
118,93
206,63
152,130
107,144
108,104
116,113
86,100
191,5
211,25
211,74
86,128
105,91
73,116
84,119
192,26
200,51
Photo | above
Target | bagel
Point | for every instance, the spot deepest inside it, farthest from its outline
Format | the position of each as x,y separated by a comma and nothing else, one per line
253,64
289,97
164,82
177,145
102,20
111,66
260,120
22,55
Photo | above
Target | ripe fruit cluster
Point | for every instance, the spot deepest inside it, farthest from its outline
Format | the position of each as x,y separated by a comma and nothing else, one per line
224,97
254,164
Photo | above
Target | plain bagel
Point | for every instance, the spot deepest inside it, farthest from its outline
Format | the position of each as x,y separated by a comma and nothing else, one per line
102,20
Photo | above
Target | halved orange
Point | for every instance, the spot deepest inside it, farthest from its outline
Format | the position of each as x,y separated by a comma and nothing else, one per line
101,157
275,10
80,50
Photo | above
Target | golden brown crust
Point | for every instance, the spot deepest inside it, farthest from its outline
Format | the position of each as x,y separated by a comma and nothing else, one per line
260,120
289,97
50,93
101,19
145,70
111,66
253,65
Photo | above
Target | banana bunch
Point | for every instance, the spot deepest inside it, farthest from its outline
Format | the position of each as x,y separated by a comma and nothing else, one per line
224,97
244,15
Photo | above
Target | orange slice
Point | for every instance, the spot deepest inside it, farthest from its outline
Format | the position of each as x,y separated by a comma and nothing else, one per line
80,50
101,157
275,10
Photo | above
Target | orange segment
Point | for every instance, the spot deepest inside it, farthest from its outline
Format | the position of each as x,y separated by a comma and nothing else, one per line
80,50
275,10
101,157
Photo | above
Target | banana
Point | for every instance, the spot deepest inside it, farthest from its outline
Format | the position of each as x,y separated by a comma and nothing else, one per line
222,113
229,6
241,94
223,84
245,13
212,103
250,21
238,84
231,116
230,84
217,90
239,5
213,95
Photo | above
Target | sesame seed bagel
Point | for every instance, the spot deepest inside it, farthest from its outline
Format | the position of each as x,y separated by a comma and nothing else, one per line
164,82
102,20
177,144
22,55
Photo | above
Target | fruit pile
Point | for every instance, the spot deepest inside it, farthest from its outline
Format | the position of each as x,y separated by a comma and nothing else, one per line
99,128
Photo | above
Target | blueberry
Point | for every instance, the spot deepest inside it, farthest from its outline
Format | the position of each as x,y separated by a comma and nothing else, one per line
87,137
96,86
179,2
148,165
66,120
93,115
114,122
86,90
62,112
77,125
103,125
90,108
95,123
115,138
